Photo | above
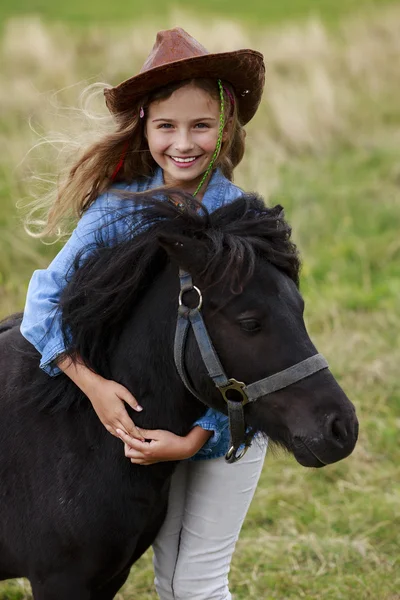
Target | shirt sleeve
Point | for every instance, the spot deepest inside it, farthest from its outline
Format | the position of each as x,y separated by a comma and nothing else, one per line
214,421
41,324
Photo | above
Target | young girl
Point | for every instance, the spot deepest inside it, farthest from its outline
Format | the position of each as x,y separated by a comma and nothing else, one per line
179,123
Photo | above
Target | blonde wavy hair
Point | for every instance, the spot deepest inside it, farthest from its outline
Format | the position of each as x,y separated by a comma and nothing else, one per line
94,171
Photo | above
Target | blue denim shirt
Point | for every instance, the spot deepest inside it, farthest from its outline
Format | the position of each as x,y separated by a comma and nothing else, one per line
41,324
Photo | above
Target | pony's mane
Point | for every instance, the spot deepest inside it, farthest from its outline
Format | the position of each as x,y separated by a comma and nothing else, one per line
102,291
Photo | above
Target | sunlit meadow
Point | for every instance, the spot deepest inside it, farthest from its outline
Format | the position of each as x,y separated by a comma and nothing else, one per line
325,145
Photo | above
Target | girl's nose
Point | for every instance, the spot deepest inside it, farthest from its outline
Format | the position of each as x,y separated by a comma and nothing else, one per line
184,142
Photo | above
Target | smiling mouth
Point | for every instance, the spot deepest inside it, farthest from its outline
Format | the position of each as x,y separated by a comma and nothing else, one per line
184,162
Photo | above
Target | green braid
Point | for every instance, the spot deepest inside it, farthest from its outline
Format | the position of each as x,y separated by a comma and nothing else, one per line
219,141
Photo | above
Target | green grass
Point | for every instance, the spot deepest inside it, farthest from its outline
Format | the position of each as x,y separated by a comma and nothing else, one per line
329,534
351,232
256,11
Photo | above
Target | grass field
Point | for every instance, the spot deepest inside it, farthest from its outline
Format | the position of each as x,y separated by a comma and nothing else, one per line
252,11
325,145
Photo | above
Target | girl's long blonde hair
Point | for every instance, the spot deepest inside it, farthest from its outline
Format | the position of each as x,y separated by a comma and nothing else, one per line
94,171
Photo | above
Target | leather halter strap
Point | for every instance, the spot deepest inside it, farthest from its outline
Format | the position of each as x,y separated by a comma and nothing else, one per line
235,393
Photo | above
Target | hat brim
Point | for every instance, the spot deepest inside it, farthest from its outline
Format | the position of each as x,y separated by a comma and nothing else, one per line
243,69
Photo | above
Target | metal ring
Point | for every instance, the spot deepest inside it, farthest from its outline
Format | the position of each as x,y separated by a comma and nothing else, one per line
183,291
232,453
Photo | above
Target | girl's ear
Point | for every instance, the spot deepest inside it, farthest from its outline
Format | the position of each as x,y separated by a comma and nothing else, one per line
189,254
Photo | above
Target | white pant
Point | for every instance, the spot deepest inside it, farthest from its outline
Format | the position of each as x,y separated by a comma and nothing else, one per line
208,502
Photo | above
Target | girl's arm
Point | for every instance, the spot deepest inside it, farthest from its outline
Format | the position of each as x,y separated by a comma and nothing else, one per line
163,445
41,324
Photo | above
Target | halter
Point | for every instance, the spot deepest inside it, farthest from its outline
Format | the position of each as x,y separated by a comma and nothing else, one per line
235,393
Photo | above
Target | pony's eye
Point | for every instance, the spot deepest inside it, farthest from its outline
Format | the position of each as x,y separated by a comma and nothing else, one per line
250,325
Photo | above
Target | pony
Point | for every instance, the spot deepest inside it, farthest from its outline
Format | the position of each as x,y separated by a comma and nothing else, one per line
75,514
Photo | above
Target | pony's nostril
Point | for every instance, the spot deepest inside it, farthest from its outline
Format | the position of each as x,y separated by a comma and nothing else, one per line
336,429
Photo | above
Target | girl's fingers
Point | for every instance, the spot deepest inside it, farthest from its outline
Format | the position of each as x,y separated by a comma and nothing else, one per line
149,434
127,397
110,429
136,456
135,433
125,424
130,441
132,453
126,438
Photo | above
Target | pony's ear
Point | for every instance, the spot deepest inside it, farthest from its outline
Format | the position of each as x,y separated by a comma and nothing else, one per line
188,253
278,211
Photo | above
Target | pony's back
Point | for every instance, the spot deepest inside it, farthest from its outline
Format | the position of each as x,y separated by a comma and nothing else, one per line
10,322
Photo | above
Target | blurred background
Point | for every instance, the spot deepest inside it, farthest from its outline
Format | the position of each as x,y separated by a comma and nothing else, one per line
325,145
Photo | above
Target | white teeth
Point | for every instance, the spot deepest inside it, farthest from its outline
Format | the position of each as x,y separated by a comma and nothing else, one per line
184,160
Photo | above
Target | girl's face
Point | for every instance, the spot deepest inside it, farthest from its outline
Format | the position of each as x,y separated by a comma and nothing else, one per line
182,134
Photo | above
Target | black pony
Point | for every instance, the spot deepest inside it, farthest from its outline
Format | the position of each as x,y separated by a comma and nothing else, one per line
75,514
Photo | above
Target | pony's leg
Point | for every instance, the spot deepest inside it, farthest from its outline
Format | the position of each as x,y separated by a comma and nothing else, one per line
61,586
109,591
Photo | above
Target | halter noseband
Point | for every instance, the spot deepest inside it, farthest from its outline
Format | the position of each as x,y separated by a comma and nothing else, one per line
235,393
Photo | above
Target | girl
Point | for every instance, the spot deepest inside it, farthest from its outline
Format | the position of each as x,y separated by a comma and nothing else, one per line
178,123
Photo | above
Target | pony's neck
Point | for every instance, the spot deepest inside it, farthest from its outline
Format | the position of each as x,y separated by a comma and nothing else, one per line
143,359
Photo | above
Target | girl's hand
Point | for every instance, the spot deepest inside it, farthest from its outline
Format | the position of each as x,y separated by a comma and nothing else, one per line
107,397
108,400
163,445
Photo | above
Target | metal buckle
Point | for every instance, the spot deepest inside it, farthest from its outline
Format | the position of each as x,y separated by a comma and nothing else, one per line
237,386
189,289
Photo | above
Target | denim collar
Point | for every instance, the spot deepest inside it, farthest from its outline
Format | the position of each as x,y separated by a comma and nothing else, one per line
214,194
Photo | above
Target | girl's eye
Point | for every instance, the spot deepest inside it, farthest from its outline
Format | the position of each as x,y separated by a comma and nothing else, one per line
169,126
250,325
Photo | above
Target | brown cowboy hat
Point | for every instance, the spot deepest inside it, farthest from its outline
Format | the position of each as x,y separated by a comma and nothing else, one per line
177,56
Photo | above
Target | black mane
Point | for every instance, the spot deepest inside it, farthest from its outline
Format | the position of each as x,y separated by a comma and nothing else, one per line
102,291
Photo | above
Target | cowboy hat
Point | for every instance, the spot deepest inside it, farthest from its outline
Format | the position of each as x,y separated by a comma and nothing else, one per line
177,56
